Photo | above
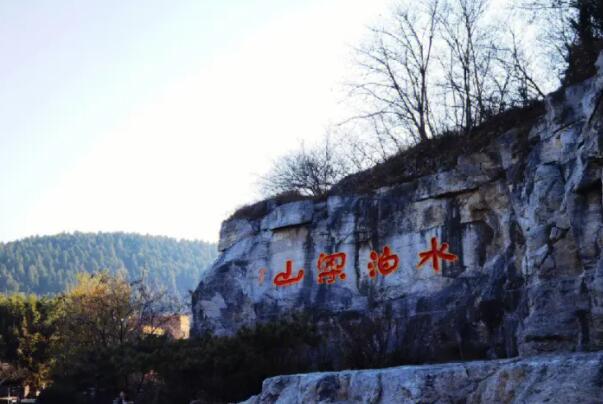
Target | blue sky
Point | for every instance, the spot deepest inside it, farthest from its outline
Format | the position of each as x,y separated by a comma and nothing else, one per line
157,117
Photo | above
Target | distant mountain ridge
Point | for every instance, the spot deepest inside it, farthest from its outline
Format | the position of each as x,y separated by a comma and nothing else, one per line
48,264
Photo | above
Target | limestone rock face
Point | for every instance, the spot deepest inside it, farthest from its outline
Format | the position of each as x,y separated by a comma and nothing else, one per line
569,378
524,216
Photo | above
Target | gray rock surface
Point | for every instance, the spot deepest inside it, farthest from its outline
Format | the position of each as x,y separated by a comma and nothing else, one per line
566,379
524,215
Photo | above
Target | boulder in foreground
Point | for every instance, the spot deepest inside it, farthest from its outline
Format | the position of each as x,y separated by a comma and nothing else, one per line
569,378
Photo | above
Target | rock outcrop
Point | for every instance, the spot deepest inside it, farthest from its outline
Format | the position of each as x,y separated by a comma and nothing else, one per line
524,215
570,378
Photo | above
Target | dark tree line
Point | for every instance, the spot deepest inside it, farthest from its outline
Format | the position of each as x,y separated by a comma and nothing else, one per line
48,264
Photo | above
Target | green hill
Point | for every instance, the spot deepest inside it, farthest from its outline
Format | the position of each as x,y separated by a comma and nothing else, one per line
48,264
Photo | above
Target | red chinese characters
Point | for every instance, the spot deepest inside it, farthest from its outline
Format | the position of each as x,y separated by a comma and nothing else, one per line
285,278
436,254
330,267
385,263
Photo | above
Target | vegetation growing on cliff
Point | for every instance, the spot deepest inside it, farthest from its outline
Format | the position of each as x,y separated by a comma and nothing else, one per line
438,77
573,32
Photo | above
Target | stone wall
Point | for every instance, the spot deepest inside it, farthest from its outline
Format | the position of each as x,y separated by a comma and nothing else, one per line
524,216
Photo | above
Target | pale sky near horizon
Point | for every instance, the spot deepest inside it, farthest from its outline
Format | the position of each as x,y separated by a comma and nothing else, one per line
157,117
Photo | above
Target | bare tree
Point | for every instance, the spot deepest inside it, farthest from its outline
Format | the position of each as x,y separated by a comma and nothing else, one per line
397,72
476,87
440,65
310,172
529,88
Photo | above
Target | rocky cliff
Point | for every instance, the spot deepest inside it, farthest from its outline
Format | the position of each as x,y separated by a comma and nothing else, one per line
511,236
563,379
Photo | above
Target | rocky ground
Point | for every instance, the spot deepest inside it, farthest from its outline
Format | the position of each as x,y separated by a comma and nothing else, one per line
564,379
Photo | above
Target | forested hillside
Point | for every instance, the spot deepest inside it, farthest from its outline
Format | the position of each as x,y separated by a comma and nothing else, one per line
48,264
